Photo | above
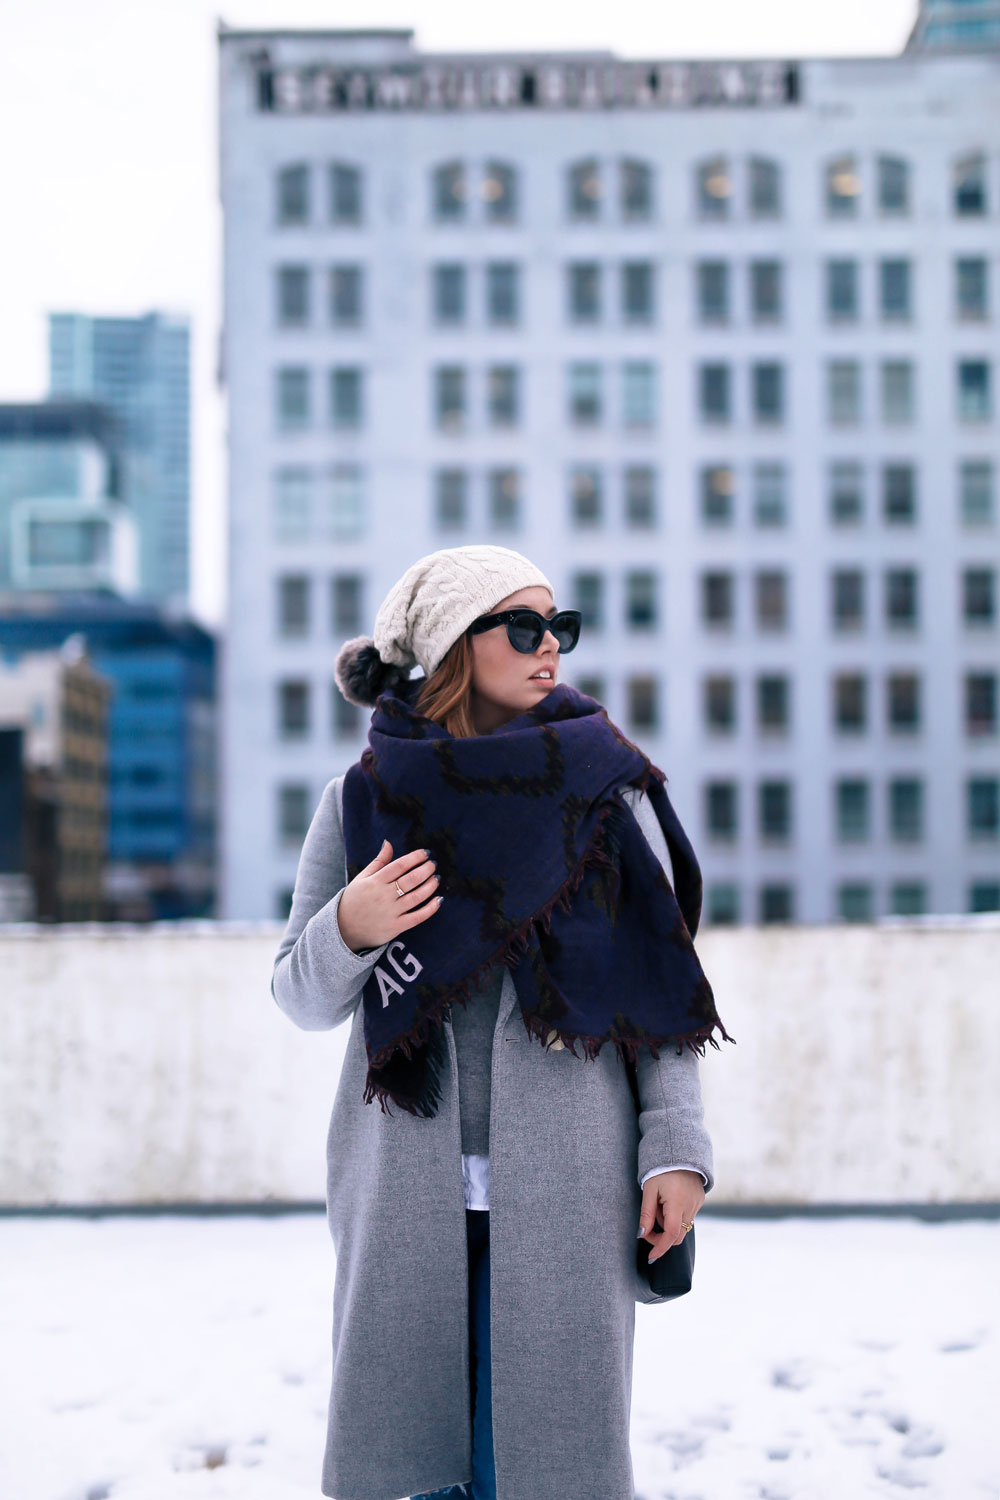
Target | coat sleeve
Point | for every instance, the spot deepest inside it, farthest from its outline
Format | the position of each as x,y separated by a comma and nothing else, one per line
671,1118
317,979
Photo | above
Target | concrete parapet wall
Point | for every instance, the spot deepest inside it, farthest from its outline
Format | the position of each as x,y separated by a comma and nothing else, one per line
145,1065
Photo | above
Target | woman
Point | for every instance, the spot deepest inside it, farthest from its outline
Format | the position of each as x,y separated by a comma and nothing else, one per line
483,892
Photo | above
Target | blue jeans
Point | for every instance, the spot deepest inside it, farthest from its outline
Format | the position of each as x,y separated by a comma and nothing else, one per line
484,1479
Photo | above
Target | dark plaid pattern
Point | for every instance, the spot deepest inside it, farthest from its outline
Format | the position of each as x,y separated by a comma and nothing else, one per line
543,867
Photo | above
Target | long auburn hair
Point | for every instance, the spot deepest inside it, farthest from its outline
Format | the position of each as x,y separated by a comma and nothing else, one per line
446,694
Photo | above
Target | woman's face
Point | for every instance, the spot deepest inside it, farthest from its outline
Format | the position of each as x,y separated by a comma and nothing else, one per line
505,682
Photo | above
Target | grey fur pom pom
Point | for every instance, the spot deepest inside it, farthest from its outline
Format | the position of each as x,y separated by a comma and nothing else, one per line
361,674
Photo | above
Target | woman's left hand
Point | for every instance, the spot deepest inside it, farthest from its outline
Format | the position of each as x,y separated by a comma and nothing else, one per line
673,1198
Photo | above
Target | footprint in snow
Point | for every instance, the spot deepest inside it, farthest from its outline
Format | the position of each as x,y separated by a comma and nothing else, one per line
683,1444
903,1477
716,1420
793,1376
922,1442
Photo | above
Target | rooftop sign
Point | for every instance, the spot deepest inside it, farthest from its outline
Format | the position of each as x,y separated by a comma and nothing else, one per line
566,85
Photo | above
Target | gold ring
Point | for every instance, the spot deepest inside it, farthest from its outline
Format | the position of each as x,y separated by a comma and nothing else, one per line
686,1227
398,891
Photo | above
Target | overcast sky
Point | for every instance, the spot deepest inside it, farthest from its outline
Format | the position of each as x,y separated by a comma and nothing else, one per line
108,186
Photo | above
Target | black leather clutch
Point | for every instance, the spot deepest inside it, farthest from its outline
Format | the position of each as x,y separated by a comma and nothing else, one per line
670,1274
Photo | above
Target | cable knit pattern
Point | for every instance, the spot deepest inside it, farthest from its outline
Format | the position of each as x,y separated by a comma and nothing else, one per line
426,610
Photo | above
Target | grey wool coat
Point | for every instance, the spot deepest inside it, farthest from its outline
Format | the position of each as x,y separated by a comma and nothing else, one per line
567,1152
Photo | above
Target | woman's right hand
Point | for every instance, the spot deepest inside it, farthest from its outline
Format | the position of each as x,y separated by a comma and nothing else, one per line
371,911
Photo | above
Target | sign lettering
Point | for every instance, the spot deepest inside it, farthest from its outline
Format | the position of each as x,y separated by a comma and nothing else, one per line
549,85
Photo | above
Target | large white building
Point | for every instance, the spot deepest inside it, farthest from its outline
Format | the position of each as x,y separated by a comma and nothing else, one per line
716,344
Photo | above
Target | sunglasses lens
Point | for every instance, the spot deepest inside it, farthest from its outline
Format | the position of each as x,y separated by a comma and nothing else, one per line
524,632
566,629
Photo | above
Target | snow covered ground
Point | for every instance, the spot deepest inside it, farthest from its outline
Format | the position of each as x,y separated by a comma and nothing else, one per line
168,1358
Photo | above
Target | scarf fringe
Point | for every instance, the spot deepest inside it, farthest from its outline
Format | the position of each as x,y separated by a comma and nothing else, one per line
425,1033
424,1029
627,1048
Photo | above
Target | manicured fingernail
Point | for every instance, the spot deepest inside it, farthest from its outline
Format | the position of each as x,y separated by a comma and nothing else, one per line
640,1234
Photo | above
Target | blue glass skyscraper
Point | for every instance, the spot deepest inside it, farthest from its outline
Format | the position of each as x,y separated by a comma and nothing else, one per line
140,368
956,26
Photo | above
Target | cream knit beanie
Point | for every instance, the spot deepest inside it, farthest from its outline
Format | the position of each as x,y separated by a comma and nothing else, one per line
426,611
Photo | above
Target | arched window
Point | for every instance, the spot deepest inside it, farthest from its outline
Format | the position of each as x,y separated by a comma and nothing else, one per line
636,184
499,192
584,190
714,188
843,188
345,202
292,194
969,191
764,188
893,186
449,192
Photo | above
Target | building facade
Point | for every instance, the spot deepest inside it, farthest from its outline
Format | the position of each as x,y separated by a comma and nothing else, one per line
161,751
63,522
140,369
714,343
54,845
956,26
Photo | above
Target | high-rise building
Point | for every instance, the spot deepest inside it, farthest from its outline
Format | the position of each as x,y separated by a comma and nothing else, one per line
139,368
714,343
956,26
53,785
63,522
161,740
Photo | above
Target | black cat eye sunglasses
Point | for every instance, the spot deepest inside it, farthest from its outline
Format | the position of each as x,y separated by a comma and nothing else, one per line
526,627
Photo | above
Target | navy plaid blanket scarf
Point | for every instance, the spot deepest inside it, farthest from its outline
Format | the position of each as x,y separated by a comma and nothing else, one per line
544,868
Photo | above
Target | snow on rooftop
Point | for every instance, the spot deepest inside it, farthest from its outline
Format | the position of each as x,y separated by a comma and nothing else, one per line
166,1358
